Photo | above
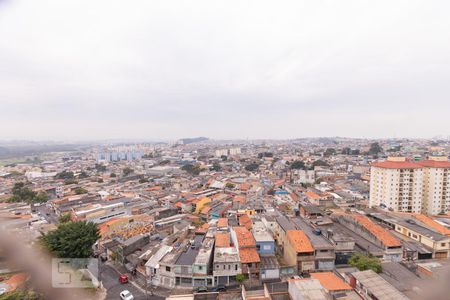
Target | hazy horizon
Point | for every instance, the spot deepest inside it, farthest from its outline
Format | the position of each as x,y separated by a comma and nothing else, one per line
100,70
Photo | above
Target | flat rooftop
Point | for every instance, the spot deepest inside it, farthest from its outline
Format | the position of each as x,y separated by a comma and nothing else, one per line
318,241
378,286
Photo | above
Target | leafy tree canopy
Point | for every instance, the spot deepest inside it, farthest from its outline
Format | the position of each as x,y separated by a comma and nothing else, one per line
265,154
100,168
252,167
375,148
320,163
127,171
365,262
72,239
297,165
191,169
79,190
22,193
216,167
64,218
65,175
329,152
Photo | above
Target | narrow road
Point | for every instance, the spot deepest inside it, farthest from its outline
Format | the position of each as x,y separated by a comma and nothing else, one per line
110,280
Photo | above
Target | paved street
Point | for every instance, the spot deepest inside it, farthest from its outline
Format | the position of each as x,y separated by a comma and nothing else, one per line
109,277
47,213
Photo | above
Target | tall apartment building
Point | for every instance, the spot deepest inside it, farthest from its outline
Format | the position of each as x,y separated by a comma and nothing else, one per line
406,186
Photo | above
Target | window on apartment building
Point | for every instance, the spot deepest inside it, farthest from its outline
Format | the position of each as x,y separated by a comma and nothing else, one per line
168,269
229,267
224,267
442,244
235,267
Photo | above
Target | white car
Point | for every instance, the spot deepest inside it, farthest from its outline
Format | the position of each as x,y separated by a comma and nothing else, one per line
126,295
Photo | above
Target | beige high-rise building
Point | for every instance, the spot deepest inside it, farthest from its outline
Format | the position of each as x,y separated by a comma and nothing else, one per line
406,186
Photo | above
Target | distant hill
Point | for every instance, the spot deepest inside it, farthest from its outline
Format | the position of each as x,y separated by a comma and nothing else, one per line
194,140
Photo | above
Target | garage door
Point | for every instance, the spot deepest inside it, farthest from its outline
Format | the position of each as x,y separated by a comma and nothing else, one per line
441,254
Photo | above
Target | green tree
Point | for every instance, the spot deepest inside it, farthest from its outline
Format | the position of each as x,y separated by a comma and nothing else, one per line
164,162
216,167
65,175
191,169
298,164
329,152
112,175
40,197
79,190
22,193
100,168
70,181
143,180
346,151
83,174
375,148
72,239
65,218
229,185
240,278
365,262
320,163
20,295
127,171
252,167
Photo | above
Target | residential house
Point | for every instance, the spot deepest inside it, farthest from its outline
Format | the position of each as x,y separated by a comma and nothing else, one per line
298,251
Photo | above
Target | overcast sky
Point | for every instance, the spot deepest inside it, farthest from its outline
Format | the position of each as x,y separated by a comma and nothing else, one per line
94,69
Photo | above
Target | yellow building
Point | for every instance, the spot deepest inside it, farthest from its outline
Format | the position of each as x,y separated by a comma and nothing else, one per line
200,203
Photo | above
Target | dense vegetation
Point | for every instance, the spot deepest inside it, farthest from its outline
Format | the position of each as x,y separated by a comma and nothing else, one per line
22,193
365,262
71,239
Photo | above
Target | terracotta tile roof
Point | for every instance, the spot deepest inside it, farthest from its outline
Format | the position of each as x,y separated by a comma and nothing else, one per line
245,186
15,281
205,210
154,188
244,237
178,204
249,255
330,281
382,234
396,165
434,164
279,182
240,198
312,195
222,239
294,197
299,241
433,224
245,221
222,222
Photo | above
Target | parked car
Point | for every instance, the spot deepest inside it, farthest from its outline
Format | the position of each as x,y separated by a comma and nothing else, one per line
220,288
201,289
126,295
123,279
